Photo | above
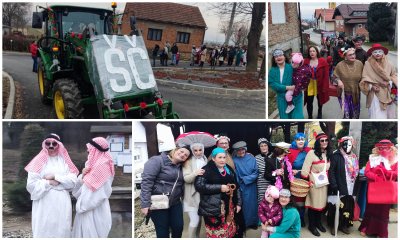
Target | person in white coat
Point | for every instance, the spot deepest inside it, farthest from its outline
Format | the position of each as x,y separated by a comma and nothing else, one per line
51,176
93,213
191,169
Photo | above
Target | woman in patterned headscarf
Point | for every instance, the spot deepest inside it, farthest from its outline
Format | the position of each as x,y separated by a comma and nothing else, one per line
93,214
51,176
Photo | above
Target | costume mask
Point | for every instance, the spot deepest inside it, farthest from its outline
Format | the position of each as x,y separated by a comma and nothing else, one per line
378,53
347,146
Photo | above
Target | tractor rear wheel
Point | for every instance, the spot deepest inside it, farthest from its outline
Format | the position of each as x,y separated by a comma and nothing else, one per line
44,85
67,99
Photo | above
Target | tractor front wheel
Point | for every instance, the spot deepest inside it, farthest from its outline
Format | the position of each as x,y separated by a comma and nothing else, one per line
44,85
67,99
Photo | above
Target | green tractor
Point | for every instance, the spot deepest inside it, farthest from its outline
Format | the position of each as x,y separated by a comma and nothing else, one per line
85,67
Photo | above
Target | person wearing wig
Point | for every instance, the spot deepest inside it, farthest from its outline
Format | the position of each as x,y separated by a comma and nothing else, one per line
348,74
343,173
93,213
269,210
191,169
298,152
317,160
247,174
220,215
51,176
382,165
378,83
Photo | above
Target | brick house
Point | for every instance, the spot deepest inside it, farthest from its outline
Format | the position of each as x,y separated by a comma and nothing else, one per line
351,19
324,19
160,22
283,27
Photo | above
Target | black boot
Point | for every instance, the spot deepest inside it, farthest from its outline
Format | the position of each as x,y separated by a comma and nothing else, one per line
319,113
319,222
303,224
312,223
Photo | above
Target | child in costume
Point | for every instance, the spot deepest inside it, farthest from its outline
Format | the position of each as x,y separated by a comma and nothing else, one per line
301,77
269,210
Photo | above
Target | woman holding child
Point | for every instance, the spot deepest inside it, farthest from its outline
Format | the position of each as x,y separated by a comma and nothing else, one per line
280,80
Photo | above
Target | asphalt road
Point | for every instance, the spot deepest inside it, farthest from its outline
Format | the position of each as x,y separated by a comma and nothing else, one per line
195,105
19,66
188,104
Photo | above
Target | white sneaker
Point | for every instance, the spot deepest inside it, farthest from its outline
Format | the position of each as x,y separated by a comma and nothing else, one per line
289,108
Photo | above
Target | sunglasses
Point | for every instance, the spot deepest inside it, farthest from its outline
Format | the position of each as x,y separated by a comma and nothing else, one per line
324,140
300,139
383,148
48,143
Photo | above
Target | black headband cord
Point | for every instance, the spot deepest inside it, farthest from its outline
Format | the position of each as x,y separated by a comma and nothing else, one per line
54,137
98,147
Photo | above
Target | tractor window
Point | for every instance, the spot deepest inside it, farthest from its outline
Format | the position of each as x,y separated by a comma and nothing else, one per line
79,21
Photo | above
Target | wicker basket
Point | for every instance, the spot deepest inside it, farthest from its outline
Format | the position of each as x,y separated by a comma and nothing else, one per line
299,187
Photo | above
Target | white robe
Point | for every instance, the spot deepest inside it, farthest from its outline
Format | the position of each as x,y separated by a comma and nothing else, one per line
375,111
93,213
51,206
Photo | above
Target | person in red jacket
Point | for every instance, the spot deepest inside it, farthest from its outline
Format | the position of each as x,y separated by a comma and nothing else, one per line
382,164
319,82
33,49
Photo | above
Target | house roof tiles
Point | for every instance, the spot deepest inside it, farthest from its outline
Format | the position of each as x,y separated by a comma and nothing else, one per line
167,12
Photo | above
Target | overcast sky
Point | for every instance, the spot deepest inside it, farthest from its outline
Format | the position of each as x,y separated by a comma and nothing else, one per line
307,8
212,21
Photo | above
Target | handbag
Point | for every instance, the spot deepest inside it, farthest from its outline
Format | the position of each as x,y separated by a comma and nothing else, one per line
161,201
321,178
382,192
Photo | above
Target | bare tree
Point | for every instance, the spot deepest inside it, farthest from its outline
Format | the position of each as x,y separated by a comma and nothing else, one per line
16,14
234,10
256,27
239,32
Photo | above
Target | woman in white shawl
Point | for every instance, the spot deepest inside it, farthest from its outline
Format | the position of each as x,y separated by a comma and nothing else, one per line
51,175
191,169
93,213
378,77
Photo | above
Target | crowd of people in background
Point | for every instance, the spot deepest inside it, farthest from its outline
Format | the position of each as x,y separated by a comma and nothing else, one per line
340,68
215,56
271,191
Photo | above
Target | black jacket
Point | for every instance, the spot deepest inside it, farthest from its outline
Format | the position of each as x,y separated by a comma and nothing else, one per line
271,164
209,187
337,175
174,49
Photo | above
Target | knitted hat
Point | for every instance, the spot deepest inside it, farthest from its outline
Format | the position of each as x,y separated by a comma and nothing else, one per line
284,193
272,191
297,58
